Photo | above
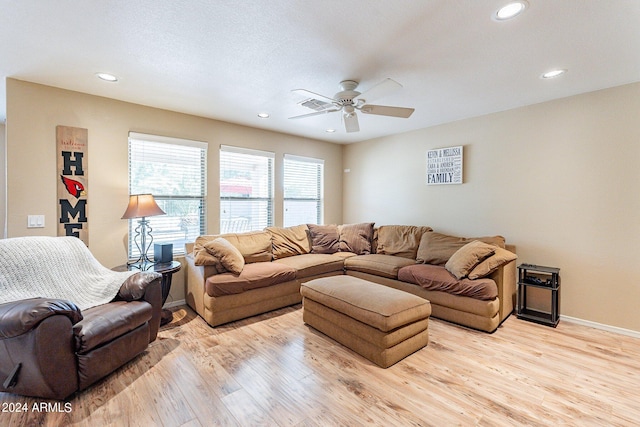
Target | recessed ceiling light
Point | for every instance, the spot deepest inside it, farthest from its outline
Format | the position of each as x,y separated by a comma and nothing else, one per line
263,115
553,73
107,77
330,130
510,10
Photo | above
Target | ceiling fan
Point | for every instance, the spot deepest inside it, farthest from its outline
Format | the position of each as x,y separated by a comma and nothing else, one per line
349,100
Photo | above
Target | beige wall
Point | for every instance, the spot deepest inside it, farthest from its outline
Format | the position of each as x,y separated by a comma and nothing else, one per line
559,180
34,111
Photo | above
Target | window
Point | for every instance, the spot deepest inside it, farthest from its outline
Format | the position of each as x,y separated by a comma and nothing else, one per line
303,190
246,189
174,171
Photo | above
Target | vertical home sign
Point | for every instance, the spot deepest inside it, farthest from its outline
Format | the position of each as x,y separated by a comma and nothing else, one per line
444,166
72,182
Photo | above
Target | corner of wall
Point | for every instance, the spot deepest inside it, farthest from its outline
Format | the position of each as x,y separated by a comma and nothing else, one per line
3,178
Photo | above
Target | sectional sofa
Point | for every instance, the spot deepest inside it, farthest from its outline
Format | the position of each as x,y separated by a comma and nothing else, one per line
469,281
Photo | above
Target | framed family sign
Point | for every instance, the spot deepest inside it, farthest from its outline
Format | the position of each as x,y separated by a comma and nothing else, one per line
444,166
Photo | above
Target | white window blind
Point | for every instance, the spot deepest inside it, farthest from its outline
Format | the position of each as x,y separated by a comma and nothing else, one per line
303,190
174,171
246,189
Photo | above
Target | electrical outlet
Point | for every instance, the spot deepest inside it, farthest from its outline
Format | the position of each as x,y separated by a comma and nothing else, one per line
35,221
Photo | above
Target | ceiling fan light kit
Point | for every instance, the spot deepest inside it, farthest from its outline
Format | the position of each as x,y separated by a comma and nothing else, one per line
348,100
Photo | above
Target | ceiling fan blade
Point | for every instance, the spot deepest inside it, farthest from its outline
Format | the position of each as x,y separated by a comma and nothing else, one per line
317,113
382,89
309,94
385,110
351,122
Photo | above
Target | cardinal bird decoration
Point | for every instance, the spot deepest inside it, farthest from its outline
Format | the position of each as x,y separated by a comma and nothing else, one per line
75,188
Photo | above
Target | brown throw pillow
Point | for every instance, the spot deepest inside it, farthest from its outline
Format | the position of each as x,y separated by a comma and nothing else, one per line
203,258
356,238
467,257
324,239
491,264
436,248
228,255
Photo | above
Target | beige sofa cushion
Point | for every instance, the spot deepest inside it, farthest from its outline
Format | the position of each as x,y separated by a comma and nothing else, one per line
289,241
203,258
308,265
228,255
255,246
437,248
356,238
437,278
253,276
467,257
400,240
377,264
491,264
325,239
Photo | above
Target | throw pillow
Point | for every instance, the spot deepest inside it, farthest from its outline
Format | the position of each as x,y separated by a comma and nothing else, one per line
324,238
491,264
436,248
228,255
467,257
356,238
203,258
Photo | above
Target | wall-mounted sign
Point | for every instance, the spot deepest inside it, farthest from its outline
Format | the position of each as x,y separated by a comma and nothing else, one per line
444,166
72,182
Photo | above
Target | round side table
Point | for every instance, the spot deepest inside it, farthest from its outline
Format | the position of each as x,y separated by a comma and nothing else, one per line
166,269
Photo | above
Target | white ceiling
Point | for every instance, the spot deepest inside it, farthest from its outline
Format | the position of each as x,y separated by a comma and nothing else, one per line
230,60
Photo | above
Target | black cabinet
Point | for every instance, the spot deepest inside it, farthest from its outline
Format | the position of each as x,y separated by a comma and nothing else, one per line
539,277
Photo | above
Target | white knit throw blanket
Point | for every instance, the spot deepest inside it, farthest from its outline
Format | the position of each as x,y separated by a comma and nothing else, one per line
55,267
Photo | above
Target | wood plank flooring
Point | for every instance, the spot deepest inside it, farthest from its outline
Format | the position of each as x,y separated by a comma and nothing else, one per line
274,370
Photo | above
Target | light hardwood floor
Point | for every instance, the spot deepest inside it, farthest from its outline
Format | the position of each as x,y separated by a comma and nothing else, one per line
274,370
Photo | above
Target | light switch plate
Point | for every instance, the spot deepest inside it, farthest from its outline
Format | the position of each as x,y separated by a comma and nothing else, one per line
35,221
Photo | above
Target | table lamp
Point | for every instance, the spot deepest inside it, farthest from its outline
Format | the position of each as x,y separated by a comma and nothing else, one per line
141,206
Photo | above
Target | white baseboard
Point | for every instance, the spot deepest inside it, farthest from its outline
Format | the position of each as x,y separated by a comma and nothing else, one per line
175,303
609,328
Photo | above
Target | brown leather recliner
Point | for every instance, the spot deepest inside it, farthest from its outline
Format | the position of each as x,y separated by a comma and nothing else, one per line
50,349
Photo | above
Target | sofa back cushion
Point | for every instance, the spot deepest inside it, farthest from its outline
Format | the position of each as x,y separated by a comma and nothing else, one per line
253,276
356,238
436,248
289,241
400,240
325,239
255,246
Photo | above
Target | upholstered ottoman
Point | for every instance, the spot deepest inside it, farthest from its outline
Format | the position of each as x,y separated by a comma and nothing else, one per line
383,324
